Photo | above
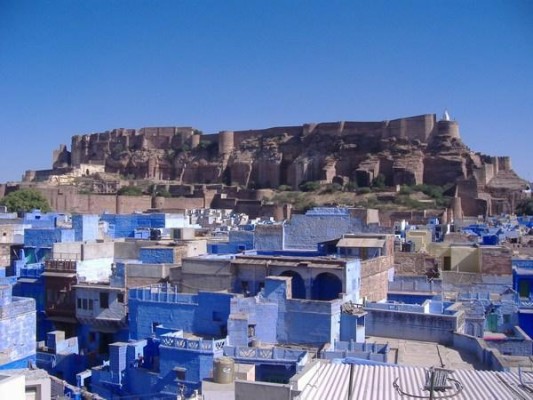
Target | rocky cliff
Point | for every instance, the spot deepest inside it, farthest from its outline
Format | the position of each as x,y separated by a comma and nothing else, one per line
412,150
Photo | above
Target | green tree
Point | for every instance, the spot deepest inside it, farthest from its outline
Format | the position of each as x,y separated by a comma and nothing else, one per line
24,200
309,186
379,181
525,207
351,186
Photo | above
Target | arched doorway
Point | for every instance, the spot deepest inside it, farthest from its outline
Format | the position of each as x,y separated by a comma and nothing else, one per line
326,286
298,284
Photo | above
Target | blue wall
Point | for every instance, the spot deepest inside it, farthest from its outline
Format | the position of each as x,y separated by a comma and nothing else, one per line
120,226
409,298
85,227
47,237
37,219
205,313
157,255
306,231
290,320
123,226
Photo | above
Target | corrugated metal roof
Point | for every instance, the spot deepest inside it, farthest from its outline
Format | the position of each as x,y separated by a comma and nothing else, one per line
370,382
360,242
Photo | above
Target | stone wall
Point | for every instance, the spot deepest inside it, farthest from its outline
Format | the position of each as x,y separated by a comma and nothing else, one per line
495,260
269,237
455,282
413,263
413,326
306,231
375,278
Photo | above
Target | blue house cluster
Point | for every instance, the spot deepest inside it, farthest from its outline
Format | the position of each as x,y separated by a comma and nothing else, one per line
137,305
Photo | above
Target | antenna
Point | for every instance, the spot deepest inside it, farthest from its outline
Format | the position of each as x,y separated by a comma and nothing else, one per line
437,380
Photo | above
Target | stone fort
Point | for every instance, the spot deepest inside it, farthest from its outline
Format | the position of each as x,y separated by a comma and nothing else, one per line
421,149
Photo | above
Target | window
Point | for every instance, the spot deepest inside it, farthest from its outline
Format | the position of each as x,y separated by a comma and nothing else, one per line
181,373
120,297
104,300
90,304
251,331
84,304
79,303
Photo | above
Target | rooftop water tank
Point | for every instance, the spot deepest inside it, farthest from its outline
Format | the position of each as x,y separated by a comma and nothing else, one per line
223,370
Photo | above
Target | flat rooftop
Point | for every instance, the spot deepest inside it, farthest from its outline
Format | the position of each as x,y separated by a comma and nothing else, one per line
415,353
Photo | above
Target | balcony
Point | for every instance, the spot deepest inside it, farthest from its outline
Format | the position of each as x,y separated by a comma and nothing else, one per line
61,266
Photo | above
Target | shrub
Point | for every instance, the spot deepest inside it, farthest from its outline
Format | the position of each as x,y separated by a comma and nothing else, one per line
351,186
525,207
309,186
379,181
406,189
331,188
130,191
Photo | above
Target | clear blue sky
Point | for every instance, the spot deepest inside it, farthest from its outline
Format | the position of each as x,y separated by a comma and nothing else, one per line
72,67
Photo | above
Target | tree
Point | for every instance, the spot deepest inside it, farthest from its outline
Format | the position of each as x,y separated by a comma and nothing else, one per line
379,181
309,186
24,200
525,207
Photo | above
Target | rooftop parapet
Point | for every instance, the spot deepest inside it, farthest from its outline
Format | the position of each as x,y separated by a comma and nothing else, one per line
209,345
161,293
273,353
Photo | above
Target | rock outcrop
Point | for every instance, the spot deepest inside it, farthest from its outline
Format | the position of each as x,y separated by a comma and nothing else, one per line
410,151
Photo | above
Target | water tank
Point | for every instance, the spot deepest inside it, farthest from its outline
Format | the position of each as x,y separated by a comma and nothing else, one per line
223,370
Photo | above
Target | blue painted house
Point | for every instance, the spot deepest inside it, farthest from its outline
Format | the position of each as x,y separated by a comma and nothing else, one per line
17,330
